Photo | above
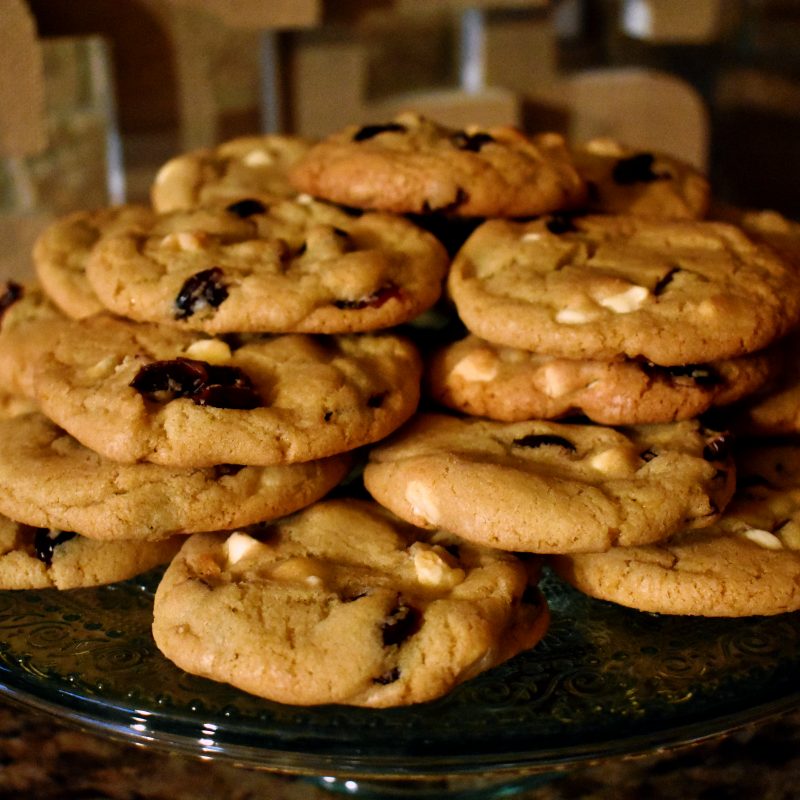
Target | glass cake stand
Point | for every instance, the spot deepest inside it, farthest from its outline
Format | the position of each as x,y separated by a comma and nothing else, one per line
605,682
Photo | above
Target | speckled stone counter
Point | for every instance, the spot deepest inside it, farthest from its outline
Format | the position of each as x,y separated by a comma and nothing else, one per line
43,760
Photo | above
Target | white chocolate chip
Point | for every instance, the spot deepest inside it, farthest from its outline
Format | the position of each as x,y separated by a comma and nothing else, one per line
304,199
432,570
617,462
762,538
299,568
789,534
186,241
531,236
571,316
422,505
102,369
558,379
212,351
627,301
238,545
258,158
479,366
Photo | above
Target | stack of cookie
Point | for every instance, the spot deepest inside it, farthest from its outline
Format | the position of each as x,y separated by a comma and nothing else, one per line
200,373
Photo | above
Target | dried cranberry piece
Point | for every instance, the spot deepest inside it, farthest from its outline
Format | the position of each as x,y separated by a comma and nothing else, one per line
542,439
246,208
45,542
376,400
203,289
701,374
388,677
180,377
636,169
471,141
648,455
718,448
204,384
370,131
375,300
403,622
12,293
665,281
560,223
221,470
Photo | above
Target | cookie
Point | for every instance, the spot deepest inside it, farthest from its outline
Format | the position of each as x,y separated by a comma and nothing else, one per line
39,558
748,563
413,165
49,480
238,168
507,384
61,251
284,267
135,392
22,307
275,610
549,487
625,180
603,287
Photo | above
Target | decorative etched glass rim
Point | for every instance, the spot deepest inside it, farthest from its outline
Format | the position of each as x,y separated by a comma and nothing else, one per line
180,735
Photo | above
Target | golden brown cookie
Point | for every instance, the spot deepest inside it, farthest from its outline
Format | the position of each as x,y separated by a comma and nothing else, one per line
413,165
343,603
135,392
548,487
747,563
49,480
234,169
603,287
508,384
281,267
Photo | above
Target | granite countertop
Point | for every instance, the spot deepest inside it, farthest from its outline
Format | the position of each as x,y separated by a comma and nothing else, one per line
44,760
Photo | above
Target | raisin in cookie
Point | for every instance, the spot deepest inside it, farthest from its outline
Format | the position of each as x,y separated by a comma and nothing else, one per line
624,180
40,558
135,392
413,165
230,171
747,563
602,287
275,610
49,480
282,267
547,487
62,250
508,384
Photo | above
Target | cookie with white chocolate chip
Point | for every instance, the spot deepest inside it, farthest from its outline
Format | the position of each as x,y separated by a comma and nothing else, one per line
274,267
508,384
547,487
49,480
604,287
136,392
416,613
747,563
44,558
238,168
413,165
61,251
626,180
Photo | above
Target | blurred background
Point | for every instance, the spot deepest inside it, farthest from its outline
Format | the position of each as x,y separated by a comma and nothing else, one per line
97,94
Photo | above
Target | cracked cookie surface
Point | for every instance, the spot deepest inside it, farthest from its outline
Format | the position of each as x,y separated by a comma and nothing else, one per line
137,392
275,267
343,603
48,479
549,487
413,165
603,287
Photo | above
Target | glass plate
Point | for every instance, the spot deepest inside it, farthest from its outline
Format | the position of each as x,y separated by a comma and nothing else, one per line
605,681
